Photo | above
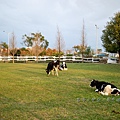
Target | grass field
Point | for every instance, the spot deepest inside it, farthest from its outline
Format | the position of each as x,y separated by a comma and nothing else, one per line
27,93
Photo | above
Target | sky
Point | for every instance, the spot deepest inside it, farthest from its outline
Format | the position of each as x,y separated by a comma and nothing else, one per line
28,16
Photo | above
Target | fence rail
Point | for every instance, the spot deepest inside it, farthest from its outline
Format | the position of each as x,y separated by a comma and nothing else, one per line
48,58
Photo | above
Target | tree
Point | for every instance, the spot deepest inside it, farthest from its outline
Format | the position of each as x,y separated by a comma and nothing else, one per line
88,52
24,52
51,52
81,49
4,45
83,45
27,41
77,49
12,45
111,35
4,48
37,42
59,43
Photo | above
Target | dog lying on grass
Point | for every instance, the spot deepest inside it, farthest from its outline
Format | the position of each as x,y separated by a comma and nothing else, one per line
105,88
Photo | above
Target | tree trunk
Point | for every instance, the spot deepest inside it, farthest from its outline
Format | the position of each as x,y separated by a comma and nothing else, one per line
13,58
119,55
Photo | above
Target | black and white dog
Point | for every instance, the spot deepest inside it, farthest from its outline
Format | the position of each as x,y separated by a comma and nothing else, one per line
105,88
63,66
53,67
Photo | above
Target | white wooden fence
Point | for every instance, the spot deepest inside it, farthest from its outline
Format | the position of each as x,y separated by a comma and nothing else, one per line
48,58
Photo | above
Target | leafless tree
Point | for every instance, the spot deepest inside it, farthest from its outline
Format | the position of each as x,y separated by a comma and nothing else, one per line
60,43
12,45
83,45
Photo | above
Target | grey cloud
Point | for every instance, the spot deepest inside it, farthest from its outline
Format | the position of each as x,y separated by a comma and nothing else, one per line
27,16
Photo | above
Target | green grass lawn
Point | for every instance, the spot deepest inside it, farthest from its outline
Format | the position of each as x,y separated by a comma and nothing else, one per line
27,93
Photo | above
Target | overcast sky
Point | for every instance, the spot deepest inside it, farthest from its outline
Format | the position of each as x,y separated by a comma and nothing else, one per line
27,16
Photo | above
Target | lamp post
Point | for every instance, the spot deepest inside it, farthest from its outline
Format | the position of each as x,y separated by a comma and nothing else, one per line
96,38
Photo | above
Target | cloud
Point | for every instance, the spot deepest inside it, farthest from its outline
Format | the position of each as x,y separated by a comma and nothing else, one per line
26,16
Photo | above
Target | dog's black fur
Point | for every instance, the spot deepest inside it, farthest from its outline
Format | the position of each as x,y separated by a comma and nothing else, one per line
53,66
